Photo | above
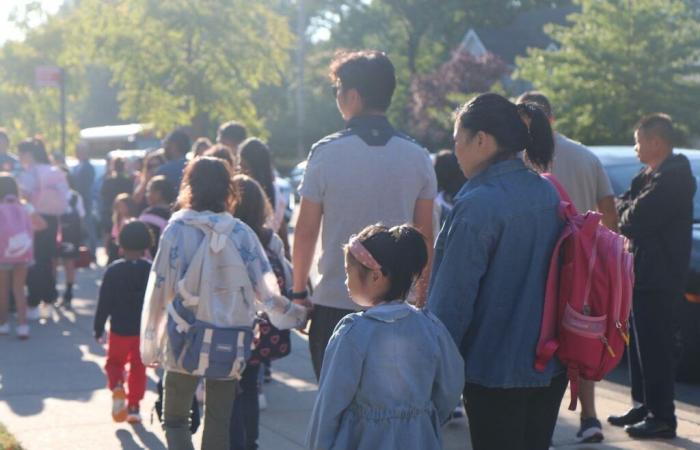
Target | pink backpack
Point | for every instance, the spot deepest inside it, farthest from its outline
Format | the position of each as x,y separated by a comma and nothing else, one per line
588,298
51,195
16,234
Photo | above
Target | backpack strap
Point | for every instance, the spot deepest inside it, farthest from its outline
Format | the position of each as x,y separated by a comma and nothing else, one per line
566,207
547,343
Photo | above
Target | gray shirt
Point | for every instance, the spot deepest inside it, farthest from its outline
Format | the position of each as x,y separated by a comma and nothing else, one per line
366,174
581,173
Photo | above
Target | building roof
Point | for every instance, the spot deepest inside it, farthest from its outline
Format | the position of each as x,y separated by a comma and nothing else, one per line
525,31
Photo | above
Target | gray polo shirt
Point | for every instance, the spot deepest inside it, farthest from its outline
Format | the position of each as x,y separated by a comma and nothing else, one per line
581,173
366,174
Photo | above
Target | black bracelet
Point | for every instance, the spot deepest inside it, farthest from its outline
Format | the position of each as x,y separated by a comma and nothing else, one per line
298,295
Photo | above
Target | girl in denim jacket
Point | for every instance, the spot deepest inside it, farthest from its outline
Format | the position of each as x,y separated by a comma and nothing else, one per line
391,374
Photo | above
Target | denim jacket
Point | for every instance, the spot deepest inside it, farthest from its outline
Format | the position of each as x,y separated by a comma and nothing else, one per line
490,271
391,377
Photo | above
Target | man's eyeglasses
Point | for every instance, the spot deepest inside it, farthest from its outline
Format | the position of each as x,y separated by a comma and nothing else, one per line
336,89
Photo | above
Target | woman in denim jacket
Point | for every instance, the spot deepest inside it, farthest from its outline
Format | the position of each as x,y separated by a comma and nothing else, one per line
490,270
391,374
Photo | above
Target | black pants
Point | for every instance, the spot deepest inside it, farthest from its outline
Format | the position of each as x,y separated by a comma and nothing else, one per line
323,322
41,283
655,338
246,412
513,419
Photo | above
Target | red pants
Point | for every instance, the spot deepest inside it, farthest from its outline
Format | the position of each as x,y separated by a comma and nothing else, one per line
123,349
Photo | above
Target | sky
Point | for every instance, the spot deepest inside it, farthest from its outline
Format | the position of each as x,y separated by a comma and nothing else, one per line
7,29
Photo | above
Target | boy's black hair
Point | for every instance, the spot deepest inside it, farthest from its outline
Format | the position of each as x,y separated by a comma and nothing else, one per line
370,72
402,253
658,124
136,236
232,131
180,139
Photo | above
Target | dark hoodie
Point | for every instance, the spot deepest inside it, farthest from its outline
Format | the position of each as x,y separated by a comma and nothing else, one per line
657,215
121,297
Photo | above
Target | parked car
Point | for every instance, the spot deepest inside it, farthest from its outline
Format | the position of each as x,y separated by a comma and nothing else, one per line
621,164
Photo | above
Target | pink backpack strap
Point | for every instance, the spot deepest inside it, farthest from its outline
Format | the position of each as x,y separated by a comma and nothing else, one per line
547,344
567,207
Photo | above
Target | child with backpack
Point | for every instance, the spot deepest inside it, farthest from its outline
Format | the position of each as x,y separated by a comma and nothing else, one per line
122,212
46,188
160,196
209,277
391,374
254,210
70,235
18,221
121,300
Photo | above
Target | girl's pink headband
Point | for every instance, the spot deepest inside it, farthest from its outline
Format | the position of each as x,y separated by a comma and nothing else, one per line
363,255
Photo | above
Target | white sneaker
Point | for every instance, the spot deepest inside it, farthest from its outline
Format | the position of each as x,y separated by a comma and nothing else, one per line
23,331
5,329
262,402
33,313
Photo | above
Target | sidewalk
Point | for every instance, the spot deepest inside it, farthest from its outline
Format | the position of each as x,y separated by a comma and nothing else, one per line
53,395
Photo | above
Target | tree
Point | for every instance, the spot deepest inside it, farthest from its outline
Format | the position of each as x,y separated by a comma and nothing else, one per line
26,110
436,95
184,62
619,60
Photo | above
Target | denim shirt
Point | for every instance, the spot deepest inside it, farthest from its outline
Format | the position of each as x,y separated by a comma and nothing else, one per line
490,271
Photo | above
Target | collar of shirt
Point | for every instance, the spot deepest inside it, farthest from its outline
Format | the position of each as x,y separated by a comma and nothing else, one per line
389,312
494,170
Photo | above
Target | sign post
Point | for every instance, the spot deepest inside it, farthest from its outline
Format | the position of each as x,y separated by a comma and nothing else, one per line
51,76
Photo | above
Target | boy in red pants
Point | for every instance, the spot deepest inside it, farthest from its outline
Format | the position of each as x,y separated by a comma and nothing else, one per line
121,300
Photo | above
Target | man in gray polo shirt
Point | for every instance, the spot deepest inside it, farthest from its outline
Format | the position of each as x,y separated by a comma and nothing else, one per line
365,174
583,177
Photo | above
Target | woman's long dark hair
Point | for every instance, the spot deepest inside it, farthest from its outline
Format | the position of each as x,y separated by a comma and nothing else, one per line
499,117
36,148
258,164
252,207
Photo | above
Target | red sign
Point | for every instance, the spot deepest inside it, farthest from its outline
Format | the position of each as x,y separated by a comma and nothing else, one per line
48,76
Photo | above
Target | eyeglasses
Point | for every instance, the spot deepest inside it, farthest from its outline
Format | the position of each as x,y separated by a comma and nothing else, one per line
336,89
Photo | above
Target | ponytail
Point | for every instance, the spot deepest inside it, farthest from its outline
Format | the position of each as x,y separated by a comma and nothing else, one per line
540,146
506,122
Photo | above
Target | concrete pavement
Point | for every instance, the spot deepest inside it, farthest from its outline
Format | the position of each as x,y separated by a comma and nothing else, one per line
53,395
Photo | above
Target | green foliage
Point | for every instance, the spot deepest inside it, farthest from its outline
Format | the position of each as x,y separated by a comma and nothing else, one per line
619,60
26,110
181,62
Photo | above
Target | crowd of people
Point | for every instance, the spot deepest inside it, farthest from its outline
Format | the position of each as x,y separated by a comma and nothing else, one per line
432,272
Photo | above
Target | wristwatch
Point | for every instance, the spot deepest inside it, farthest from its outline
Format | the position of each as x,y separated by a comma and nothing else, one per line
299,295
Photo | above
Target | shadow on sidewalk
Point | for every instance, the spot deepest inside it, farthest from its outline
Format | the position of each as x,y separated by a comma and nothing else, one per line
147,439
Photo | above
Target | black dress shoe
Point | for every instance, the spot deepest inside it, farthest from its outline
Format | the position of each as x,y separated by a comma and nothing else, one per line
651,428
633,416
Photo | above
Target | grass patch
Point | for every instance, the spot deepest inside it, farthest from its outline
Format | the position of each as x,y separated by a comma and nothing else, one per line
7,441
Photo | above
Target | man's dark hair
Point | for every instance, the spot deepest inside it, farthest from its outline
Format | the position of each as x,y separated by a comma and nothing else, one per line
539,99
658,124
4,136
370,72
180,139
232,131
